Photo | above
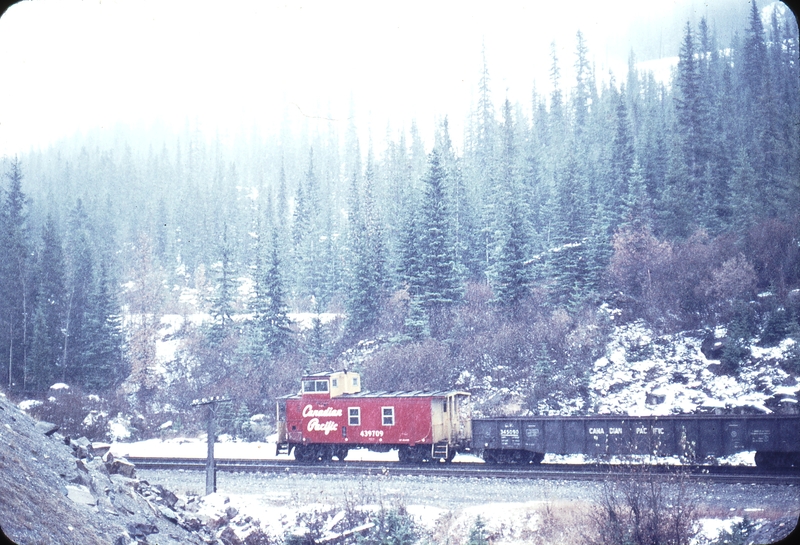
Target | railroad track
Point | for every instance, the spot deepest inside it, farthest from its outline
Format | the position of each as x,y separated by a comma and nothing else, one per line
733,474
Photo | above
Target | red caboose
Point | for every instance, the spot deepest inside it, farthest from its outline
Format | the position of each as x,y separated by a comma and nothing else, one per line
331,414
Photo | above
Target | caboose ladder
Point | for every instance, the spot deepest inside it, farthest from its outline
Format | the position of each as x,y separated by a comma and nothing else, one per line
440,451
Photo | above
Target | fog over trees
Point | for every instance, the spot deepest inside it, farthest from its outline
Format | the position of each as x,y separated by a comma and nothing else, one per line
676,203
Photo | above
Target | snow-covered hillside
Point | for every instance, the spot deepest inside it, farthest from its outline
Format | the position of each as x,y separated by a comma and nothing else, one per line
644,374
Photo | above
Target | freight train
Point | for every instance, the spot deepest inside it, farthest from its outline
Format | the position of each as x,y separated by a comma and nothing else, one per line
331,414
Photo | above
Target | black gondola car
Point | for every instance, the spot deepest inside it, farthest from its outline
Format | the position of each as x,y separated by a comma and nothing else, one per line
776,439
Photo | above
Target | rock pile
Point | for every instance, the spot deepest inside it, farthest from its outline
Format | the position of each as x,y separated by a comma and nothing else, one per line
54,489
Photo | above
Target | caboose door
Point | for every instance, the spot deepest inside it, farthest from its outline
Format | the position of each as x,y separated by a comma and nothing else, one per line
280,421
439,420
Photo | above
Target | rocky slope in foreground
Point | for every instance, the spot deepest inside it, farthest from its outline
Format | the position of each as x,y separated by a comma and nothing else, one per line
54,491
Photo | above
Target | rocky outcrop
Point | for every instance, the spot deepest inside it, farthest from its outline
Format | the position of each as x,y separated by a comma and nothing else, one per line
54,489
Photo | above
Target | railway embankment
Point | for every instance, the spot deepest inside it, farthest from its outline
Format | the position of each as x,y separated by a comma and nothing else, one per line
58,490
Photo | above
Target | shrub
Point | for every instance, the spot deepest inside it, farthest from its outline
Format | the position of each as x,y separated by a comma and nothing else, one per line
77,414
412,366
478,534
644,509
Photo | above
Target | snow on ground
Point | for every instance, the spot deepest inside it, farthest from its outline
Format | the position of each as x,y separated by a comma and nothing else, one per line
642,374
710,529
184,447
193,448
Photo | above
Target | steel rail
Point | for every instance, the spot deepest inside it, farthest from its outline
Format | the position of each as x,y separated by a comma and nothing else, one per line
733,474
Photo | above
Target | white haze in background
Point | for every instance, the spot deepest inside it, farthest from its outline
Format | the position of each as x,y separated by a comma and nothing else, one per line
236,67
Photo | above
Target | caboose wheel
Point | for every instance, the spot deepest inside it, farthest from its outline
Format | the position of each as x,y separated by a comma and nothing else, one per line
404,455
341,453
305,454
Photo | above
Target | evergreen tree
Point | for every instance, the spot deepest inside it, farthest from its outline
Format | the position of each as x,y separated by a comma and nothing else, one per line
49,316
104,366
417,323
366,291
309,275
466,244
439,282
689,118
484,165
510,275
477,534
271,318
15,285
224,292
622,159
80,287
637,209
581,93
567,260
410,272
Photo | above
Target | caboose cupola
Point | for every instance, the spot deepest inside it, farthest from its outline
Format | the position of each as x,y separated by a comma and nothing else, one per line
331,384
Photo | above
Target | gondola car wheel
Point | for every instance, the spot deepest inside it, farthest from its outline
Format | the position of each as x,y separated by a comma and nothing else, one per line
536,458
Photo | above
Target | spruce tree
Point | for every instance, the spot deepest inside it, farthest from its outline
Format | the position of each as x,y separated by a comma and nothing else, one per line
622,160
104,366
272,314
687,106
15,283
367,283
224,292
509,271
440,287
49,315
581,93
80,286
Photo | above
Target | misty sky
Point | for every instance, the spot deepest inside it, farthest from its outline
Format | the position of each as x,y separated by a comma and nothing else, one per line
68,65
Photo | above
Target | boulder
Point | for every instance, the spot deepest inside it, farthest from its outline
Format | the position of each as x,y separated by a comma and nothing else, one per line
81,477
47,428
100,449
142,529
168,514
82,447
80,494
121,466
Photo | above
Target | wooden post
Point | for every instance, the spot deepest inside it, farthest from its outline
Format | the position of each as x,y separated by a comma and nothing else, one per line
211,437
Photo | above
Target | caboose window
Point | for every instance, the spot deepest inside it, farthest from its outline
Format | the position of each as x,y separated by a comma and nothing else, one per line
334,382
354,416
315,386
388,416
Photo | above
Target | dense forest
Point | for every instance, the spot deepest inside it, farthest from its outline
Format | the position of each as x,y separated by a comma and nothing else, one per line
609,199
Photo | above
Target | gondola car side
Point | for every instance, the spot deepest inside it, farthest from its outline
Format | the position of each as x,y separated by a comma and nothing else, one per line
775,438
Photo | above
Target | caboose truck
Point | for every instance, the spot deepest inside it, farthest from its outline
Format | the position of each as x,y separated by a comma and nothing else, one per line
331,414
